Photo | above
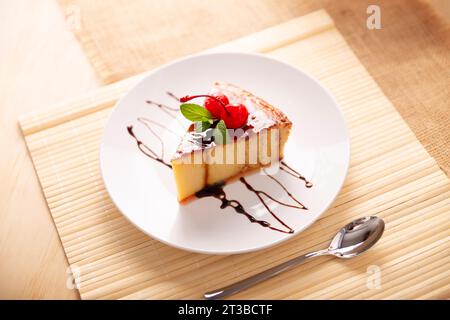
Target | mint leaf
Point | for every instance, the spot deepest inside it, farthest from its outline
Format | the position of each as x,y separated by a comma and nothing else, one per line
202,126
194,112
221,133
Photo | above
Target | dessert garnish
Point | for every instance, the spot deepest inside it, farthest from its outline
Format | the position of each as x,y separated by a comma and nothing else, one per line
216,107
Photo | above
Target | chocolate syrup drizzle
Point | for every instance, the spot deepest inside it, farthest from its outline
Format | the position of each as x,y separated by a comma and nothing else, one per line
146,150
259,193
165,108
294,173
148,122
170,111
300,205
170,94
216,190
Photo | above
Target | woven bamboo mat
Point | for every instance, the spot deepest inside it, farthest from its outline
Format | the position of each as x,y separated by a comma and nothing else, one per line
391,175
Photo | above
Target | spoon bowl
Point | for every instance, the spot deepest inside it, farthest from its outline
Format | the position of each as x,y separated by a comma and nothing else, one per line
356,237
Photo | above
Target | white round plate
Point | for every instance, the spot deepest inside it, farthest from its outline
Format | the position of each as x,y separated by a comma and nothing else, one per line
144,189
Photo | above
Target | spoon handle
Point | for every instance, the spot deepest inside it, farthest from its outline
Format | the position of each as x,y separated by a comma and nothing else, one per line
257,278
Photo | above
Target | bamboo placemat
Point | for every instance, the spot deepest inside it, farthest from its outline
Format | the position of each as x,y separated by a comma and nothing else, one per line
391,175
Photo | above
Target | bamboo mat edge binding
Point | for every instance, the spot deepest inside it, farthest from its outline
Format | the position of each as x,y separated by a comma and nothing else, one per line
131,265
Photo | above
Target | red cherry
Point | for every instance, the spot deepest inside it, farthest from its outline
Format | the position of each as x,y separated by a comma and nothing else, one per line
234,116
215,104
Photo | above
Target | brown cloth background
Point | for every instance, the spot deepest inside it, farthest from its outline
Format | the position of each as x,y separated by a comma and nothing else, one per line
409,57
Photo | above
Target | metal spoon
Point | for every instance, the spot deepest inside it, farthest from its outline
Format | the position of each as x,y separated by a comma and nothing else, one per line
352,240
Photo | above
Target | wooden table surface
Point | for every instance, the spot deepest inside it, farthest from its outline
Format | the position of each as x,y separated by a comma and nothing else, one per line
41,63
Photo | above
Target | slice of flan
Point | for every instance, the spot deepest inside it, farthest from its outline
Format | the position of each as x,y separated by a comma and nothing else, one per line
199,163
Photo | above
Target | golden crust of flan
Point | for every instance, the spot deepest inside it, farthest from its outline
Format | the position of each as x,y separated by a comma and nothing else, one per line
191,178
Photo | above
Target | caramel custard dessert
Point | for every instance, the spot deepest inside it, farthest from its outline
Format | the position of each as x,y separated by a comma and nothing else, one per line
232,133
